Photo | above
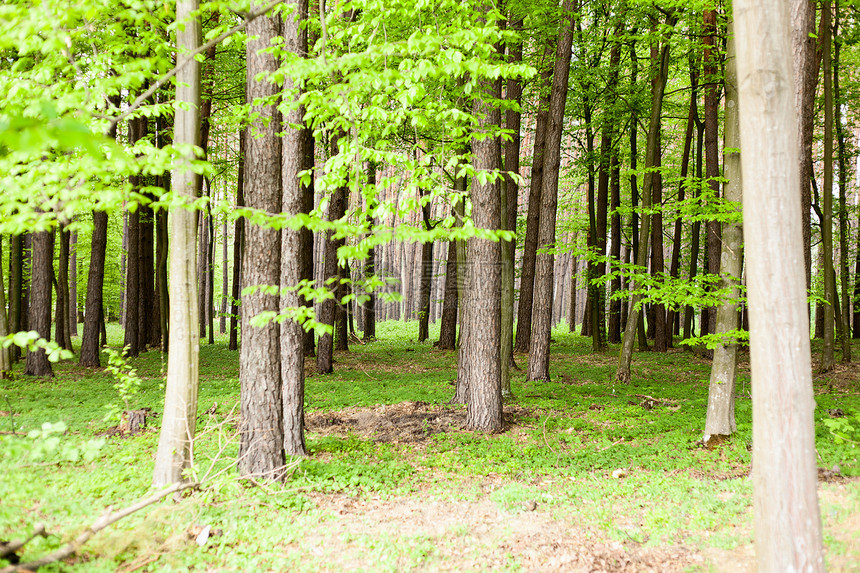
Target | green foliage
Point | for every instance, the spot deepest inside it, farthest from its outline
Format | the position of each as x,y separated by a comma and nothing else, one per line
845,429
127,382
31,341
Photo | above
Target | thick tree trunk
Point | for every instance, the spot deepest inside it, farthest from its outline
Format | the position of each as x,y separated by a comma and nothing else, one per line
633,320
238,244
482,310
827,349
39,312
132,340
524,308
720,420
292,254
261,447
538,364
180,403
787,522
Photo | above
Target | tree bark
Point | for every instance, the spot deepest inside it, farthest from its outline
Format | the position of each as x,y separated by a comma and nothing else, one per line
370,267
62,332
238,243
16,289
827,349
482,310
261,446
95,292
720,420
73,284
180,403
538,364
5,352
710,69
39,312
844,232
292,254
526,302
787,522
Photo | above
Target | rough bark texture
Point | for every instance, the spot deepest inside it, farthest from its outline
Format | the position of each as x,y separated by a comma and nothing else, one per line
39,312
844,232
292,255
369,319
482,287
720,420
787,523
62,332
261,448
16,288
538,365
5,352
634,319
524,308
95,292
180,403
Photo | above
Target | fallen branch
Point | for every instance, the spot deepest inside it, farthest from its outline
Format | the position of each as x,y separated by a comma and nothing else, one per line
104,521
13,546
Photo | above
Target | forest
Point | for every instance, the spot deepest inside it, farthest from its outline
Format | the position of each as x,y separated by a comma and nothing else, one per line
429,285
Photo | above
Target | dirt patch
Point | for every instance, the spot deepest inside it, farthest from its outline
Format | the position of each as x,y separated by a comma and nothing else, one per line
843,379
472,536
406,422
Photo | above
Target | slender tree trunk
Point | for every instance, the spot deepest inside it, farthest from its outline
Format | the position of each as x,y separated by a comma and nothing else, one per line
238,243
370,267
827,350
805,80
62,332
720,420
180,403
73,285
292,254
137,131
261,446
538,364
341,330
16,289
95,282
844,232
787,522
41,273
448,328
483,274
336,210
696,231
524,309
210,275
658,324
633,320
710,69
5,352
222,312
426,268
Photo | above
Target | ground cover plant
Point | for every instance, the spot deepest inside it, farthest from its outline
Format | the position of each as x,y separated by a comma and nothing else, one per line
587,475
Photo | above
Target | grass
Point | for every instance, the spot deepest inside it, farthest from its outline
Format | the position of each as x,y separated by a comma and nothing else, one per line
564,441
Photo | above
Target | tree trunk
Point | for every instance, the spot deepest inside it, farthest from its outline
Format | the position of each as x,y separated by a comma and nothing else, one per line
292,254
657,261
261,446
827,349
180,403
62,332
710,70
370,267
633,319
696,231
238,243
844,232
222,312
95,283
39,312
483,274
136,131
16,289
336,210
5,351
210,274
524,309
787,522
720,420
448,328
426,268
73,285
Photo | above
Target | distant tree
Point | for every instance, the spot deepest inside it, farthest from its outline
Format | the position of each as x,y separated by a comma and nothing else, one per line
39,319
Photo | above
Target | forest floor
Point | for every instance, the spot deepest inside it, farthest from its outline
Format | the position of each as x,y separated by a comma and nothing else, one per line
588,475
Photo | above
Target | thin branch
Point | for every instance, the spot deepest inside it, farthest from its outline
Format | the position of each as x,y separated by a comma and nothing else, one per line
250,17
108,519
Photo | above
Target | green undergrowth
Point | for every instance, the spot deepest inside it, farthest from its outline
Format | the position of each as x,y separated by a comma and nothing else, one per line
623,461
